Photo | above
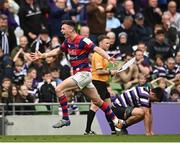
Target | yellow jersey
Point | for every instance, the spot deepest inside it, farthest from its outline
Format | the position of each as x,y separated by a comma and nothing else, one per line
98,62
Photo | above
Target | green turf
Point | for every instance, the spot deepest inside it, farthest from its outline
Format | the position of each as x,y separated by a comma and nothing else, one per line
97,138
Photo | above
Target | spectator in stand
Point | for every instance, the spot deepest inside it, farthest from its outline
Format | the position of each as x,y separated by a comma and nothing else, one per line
129,9
6,8
42,42
55,43
129,77
171,34
7,36
19,72
59,11
178,58
38,65
77,9
15,96
111,20
119,8
13,93
152,13
32,74
28,82
142,46
143,81
159,69
123,46
4,93
55,72
96,18
26,98
47,88
174,15
84,31
112,38
165,84
126,26
175,96
172,70
142,32
23,44
32,18
6,66
158,46
142,64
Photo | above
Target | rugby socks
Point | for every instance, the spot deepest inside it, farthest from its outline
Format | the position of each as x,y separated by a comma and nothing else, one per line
111,124
108,111
124,124
64,106
90,118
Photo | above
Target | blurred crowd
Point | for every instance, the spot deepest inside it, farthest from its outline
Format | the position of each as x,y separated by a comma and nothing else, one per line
148,30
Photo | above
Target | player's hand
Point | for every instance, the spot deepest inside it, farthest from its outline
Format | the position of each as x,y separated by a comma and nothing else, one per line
113,72
37,55
111,60
28,57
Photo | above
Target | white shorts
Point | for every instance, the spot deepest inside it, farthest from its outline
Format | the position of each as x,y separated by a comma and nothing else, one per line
83,79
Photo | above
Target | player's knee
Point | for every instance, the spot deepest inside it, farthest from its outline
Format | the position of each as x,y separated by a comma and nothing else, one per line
140,113
97,102
58,91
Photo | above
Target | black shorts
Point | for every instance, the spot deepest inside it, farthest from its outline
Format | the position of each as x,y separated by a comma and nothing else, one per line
120,112
102,89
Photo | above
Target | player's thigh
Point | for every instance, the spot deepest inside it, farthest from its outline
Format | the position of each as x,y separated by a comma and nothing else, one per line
138,112
93,95
102,89
67,84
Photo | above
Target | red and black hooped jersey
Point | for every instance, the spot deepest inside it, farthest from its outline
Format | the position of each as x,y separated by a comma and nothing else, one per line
78,50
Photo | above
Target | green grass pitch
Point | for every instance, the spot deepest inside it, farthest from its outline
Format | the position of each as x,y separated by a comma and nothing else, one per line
95,138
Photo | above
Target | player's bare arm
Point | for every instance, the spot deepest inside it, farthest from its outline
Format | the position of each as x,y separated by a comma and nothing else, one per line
39,55
102,53
148,121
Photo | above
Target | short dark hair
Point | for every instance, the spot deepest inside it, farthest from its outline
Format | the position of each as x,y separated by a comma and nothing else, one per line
46,71
69,22
54,68
102,37
159,93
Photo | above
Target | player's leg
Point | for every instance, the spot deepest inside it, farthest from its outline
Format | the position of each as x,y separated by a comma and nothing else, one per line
93,95
90,117
111,124
102,90
130,115
133,116
68,83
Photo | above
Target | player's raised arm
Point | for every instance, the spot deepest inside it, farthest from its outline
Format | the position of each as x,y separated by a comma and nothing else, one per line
39,55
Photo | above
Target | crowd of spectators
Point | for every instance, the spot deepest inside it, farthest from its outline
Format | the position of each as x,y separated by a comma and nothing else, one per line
148,30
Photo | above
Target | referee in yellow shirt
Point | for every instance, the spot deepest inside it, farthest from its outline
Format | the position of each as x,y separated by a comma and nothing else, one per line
100,76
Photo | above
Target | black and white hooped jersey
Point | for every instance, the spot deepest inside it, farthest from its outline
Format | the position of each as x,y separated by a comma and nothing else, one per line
136,96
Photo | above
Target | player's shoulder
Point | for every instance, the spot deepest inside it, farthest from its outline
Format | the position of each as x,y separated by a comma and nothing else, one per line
86,40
